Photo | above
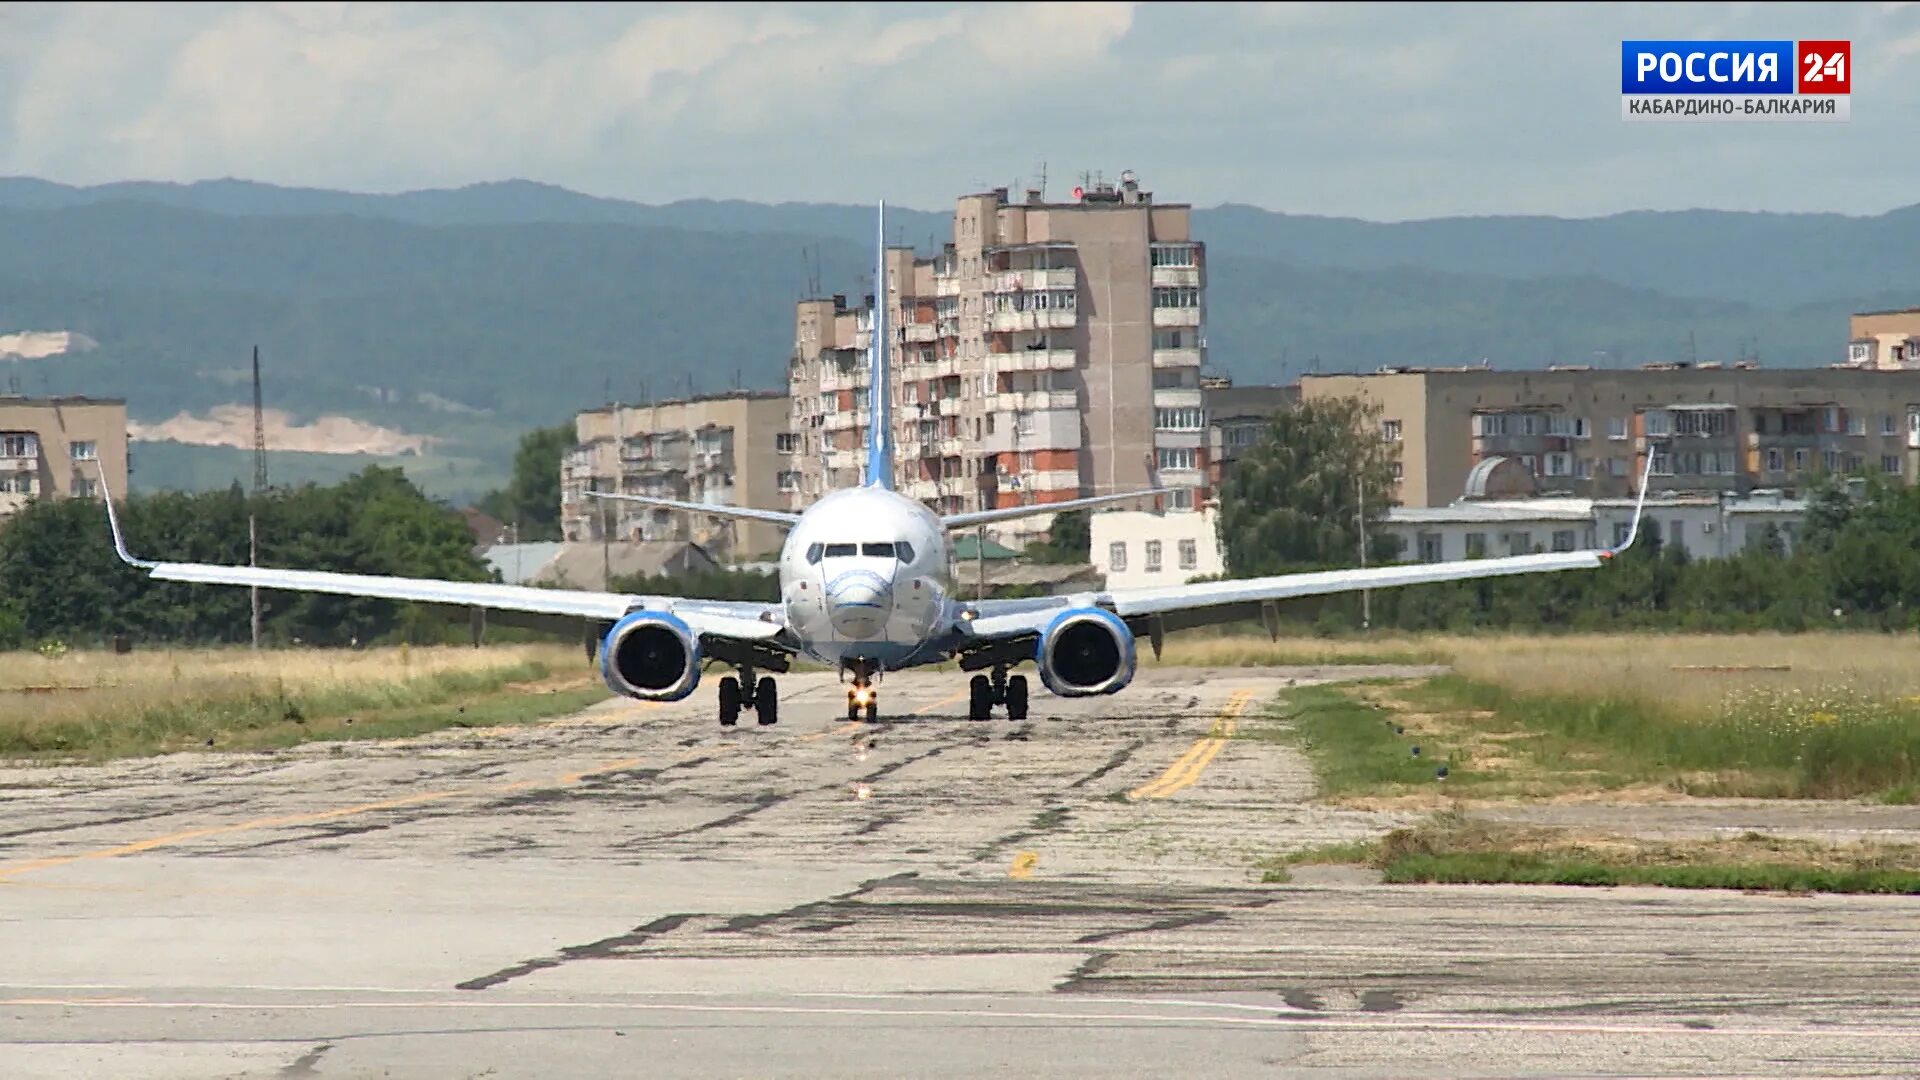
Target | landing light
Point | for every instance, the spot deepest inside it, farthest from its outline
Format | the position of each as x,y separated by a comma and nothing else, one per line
862,696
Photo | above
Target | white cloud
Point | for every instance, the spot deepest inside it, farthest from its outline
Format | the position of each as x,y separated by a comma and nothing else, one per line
1384,111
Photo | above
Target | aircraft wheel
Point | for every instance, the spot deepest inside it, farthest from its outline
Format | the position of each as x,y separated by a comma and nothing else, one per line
766,702
729,701
873,711
1017,697
979,698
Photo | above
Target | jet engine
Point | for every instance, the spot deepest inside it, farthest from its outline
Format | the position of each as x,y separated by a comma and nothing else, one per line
651,655
1085,651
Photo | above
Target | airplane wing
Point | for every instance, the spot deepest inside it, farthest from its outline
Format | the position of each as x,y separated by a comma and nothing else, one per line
1180,606
739,620
986,517
777,517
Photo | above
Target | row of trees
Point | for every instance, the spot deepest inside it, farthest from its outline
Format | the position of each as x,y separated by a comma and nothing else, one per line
1295,501
60,579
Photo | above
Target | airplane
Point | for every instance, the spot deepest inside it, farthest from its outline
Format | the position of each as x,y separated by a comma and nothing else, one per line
862,577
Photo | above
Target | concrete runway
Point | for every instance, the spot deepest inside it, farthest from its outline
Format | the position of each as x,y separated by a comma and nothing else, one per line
635,892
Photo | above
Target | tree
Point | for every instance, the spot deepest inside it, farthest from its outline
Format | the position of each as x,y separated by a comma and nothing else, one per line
1294,499
1069,540
531,499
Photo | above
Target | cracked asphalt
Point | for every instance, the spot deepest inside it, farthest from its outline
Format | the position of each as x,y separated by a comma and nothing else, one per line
634,891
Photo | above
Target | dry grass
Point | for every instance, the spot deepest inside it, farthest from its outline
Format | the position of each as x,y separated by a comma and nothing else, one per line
1182,650
1452,847
96,703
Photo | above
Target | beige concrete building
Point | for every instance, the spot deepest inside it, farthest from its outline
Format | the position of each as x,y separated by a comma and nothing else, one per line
1051,351
1584,432
731,448
58,448
1886,340
1236,418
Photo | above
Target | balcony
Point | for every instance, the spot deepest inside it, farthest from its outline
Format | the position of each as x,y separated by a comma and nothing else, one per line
1177,275
847,419
1034,400
1176,316
920,333
1008,281
832,379
1175,358
1034,360
1181,398
1006,322
946,284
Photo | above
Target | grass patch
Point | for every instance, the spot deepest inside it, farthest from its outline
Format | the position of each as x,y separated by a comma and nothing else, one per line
1278,870
1453,849
1248,651
92,706
1355,748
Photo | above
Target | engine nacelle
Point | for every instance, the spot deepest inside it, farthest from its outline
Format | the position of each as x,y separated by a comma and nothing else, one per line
651,655
1085,651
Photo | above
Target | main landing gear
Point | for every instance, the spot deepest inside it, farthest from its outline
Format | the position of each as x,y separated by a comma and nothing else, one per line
762,695
984,693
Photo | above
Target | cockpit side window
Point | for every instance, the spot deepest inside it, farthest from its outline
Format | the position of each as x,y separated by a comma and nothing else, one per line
883,551
813,554
840,551
904,550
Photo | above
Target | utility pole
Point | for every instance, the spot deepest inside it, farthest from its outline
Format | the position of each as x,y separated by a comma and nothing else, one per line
980,561
1366,595
259,489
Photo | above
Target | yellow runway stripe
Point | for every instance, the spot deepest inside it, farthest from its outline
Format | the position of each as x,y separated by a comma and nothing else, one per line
1023,864
1187,767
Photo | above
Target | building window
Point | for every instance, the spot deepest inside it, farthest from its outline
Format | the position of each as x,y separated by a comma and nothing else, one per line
1023,423
1180,499
1476,545
1776,461
1616,427
1662,462
1657,422
84,488
1890,464
1179,419
1519,543
1396,469
1189,554
1831,459
20,483
1179,457
1171,255
1582,468
1799,460
1430,547
1390,430
83,450
1169,339
1859,353
789,481
1856,425
1563,540
1117,556
1696,422
783,442
1183,296
19,444
1153,557
1620,529
1889,424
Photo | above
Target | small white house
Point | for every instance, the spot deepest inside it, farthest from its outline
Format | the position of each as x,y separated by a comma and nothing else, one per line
1136,548
1709,526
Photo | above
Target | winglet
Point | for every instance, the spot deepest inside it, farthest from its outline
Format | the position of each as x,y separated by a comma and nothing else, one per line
1639,508
113,524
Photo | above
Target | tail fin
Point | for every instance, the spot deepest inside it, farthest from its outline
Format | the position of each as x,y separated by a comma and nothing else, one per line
879,388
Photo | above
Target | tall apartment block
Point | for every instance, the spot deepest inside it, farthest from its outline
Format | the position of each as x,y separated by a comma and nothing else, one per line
1050,351
58,448
1585,432
729,448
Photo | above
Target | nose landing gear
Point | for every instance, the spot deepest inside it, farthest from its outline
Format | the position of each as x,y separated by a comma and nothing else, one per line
862,697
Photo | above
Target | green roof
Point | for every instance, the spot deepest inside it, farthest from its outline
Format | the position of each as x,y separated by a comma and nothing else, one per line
968,549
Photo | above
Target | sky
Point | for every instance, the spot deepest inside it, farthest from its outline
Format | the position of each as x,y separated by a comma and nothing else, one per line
1378,111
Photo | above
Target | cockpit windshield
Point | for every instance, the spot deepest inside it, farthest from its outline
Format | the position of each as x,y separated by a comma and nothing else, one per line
880,550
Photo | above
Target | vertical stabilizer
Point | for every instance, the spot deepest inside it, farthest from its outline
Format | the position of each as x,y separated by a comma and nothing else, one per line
879,388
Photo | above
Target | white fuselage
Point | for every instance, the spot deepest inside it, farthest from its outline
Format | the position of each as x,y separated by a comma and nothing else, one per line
863,578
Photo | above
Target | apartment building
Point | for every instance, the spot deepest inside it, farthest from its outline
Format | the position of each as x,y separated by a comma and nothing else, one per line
1884,340
1236,418
1583,432
731,448
1050,351
58,447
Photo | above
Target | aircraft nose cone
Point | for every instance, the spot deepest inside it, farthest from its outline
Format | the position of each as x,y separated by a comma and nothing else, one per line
859,602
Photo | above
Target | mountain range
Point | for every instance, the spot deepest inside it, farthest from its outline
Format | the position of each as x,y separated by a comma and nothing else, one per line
468,315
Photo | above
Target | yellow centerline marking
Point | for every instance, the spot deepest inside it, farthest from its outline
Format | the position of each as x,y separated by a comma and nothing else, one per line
1187,767
1023,864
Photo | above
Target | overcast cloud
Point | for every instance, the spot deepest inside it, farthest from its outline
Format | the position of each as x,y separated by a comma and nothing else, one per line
1376,111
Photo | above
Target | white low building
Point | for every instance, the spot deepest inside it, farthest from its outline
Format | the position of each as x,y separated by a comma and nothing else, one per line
1136,548
1709,526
